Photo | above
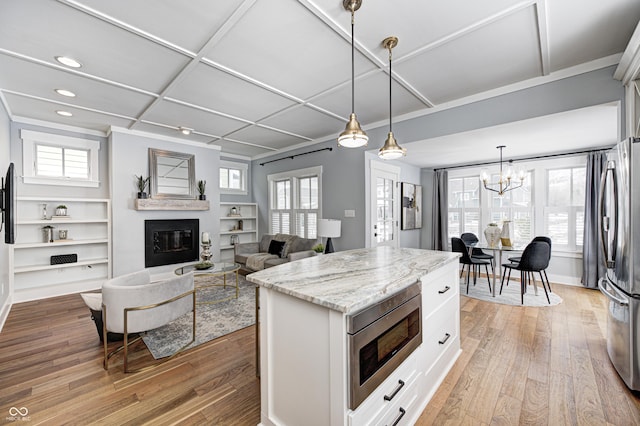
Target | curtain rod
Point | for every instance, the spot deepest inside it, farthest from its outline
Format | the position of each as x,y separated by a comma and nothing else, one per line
537,157
291,157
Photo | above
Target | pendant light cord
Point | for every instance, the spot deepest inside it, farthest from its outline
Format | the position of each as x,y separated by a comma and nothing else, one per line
390,78
353,56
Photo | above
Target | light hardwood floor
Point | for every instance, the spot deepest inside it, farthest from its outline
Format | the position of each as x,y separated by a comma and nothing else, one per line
545,366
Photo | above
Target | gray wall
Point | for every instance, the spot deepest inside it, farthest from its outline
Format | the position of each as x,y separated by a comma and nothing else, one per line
128,156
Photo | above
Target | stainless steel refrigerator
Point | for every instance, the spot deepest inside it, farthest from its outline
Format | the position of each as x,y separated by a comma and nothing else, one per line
620,243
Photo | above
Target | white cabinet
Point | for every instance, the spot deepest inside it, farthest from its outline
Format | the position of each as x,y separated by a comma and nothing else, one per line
88,237
240,224
304,360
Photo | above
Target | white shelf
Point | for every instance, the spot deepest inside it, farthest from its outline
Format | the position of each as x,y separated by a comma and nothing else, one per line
57,243
33,268
248,214
89,231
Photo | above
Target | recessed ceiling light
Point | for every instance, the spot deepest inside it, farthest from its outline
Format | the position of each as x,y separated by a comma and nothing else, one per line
67,93
70,62
64,113
185,130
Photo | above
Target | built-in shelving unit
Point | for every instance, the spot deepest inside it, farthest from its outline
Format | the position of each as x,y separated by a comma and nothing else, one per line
247,214
88,226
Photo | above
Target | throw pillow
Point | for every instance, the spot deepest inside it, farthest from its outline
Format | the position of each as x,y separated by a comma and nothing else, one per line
276,247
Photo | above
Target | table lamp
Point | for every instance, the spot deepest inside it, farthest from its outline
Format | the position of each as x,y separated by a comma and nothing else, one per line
329,228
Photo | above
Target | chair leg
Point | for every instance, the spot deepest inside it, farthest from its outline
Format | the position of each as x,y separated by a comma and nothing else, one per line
523,285
488,280
544,287
468,274
547,278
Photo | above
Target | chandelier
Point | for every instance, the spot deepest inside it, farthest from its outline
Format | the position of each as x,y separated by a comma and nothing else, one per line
353,136
505,178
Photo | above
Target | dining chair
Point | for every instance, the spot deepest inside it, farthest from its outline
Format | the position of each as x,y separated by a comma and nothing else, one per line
535,258
471,238
544,239
458,246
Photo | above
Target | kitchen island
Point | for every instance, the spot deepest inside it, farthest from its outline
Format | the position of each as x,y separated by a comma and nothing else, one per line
306,369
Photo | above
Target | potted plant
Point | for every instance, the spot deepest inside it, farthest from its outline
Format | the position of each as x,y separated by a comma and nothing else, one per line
201,187
142,183
61,210
318,248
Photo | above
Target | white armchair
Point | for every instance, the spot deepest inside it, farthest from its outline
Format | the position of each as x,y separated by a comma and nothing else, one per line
132,303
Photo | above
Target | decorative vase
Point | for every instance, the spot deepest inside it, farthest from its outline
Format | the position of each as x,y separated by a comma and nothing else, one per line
202,197
492,234
61,211
505,235
142,195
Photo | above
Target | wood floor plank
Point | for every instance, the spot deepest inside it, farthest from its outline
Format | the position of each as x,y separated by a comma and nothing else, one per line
518,365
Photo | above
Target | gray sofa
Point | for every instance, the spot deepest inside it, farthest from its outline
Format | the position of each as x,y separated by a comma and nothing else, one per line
255,256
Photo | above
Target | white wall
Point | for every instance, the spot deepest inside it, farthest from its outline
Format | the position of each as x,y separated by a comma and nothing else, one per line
128,156
5,156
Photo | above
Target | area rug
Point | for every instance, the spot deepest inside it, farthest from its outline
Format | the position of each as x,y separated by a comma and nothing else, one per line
212,320
510,294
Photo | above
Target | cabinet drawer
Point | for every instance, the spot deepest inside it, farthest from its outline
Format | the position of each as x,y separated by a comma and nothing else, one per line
403,410
375,407
440,330
438,287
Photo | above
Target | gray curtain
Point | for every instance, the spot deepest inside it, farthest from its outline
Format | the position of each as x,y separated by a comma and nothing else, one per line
592,258
440,207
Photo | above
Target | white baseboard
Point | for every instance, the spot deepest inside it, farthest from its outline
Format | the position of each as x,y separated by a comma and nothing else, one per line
4,312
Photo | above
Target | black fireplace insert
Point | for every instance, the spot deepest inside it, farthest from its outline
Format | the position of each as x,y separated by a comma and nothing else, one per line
170,241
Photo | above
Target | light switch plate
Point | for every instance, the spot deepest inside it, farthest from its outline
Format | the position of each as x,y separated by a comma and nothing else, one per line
349,213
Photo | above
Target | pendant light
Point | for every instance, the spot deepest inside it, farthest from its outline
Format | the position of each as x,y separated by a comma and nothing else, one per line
353,135
391,150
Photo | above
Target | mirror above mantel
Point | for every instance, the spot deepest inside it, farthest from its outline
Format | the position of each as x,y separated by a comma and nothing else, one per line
172,183
172,175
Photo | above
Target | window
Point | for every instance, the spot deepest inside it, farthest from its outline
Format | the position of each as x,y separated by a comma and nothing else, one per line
464,205
233,177
295,200
59,160
564,212
516,206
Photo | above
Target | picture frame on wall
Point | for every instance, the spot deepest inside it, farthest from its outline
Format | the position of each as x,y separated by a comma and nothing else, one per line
411,217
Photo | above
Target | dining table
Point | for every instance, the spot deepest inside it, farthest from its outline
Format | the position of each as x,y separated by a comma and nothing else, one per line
497,250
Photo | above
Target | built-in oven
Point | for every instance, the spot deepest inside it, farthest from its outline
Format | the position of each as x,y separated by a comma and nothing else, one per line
380,337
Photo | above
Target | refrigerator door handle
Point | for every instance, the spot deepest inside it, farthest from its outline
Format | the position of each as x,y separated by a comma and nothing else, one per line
610,258
603,288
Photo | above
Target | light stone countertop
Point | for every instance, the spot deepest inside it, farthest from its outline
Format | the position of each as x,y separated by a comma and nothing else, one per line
348,281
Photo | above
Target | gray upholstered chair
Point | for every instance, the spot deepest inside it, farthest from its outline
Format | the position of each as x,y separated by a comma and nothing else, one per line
132,303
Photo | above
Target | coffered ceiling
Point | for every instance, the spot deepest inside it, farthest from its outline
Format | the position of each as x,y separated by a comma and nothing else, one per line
259,77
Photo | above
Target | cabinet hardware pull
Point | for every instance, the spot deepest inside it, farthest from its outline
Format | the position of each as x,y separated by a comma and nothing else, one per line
402,411
444,290
446,337
395,391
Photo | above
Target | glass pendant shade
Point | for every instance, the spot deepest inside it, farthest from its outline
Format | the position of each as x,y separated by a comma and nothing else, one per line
391,150
353,135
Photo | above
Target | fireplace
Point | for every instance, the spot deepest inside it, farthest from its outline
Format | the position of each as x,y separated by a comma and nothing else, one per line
170,241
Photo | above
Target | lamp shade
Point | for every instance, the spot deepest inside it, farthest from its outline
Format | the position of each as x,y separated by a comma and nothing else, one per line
329,228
